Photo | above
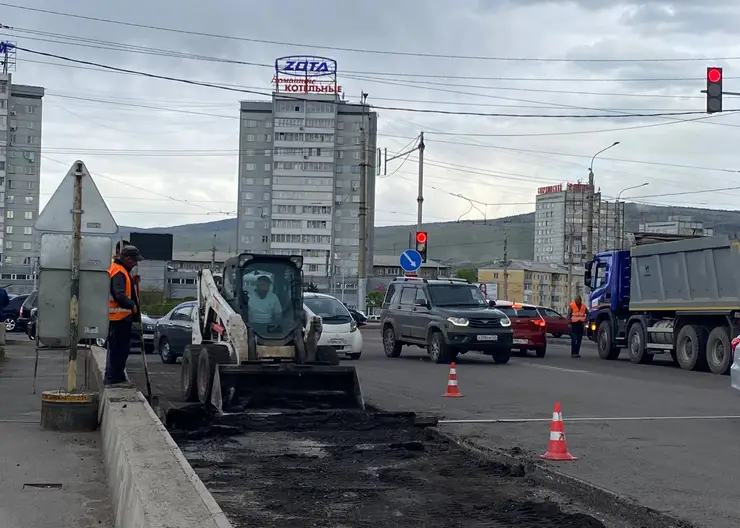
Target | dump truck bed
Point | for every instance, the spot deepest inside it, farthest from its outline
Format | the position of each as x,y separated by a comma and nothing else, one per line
701,274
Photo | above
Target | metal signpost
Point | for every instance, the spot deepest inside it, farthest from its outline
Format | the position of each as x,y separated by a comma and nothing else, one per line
77,231
410,261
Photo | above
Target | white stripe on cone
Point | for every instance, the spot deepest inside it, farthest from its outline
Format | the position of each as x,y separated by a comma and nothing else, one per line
451,383
453,371
557,435
557,417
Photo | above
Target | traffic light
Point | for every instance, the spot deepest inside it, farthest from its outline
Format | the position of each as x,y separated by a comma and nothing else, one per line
714,90
421,244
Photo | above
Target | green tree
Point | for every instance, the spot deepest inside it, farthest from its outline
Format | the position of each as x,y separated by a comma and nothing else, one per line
469,274
375,299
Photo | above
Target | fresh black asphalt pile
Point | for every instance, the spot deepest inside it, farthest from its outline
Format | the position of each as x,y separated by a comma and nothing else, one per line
352,469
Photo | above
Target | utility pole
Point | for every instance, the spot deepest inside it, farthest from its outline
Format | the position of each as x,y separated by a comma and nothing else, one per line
213,253
506,264
328,274
590,201
74,301
569,249
420,198
362,257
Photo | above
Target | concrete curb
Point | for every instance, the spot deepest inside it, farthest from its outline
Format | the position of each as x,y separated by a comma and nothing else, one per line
601,499
152,485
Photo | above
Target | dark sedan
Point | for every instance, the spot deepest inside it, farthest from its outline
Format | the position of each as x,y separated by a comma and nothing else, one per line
174,331
11,313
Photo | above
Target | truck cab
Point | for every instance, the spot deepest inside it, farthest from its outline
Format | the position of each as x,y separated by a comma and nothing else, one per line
607,277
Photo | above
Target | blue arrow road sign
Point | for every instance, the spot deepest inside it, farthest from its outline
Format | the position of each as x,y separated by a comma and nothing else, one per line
410,260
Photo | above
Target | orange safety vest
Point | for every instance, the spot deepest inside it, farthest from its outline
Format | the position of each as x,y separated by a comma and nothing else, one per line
578,315
116,312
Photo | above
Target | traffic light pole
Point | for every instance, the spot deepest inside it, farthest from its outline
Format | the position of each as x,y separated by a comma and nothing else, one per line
362,253
420,198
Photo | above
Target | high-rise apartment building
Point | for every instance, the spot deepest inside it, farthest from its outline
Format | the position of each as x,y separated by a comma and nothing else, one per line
20,163
300,161
561,215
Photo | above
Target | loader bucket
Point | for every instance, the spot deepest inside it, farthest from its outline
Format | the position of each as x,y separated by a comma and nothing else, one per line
290,386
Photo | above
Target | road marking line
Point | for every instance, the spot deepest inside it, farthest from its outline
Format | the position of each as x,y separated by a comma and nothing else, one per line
586,419
549,367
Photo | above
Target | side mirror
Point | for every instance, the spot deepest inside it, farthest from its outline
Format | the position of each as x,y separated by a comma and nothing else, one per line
421,302
492,304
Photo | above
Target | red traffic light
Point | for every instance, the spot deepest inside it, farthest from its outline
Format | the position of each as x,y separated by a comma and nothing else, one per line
421,237
714,75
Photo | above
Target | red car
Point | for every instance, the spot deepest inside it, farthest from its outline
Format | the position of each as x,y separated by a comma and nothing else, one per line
557,324
529,327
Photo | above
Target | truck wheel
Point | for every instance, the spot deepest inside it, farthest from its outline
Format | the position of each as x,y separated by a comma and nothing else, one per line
501,357
189,373
636,345
719,354
691,348
604,342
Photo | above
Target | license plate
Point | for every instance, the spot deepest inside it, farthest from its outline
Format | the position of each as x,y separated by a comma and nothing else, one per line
337,342
520,341
487,338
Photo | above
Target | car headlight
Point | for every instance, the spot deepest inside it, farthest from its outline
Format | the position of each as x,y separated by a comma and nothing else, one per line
149,328
505,321
458,321
353,326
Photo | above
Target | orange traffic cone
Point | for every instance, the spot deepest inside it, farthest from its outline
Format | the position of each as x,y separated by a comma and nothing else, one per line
557,448
452,390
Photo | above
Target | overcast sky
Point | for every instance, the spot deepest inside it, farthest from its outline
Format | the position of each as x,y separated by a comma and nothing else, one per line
167,139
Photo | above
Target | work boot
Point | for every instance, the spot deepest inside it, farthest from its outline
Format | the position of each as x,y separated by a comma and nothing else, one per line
576,355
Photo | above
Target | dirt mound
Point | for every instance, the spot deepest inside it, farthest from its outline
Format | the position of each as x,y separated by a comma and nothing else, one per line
357,470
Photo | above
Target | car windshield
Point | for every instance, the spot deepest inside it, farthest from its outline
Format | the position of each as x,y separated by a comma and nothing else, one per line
456,295
329,309
508,310
269,290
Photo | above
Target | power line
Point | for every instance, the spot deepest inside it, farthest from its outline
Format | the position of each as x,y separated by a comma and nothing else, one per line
388,108
357,50
146,50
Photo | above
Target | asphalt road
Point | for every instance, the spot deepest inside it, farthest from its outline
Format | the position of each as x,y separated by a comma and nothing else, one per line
681,465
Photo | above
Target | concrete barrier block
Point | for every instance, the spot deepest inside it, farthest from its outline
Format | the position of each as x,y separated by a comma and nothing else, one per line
152,485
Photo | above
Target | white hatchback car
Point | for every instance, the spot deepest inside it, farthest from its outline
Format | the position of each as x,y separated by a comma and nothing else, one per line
339,329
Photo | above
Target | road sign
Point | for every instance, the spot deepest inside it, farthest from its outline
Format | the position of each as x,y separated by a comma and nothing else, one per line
410,260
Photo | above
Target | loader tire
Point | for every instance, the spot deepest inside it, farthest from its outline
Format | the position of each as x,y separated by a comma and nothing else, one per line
189,373
327,355
209,358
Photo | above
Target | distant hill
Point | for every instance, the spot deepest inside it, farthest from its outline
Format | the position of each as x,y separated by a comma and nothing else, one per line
466,241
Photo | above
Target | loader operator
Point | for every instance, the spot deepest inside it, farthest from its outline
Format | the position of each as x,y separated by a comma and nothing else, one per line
263,306
123,310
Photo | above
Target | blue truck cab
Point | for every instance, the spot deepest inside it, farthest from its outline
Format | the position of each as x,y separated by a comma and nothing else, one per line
607,277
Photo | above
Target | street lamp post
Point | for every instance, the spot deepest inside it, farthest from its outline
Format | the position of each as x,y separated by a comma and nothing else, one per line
590,202
620,224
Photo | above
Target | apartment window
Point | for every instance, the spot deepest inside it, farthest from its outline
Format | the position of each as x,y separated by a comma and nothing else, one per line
340,125
29,200
356,170
316,224
2,165
248,195
340,154
340,140
268,123
8,245
28,230
27,246
8,260
266,196
356,155
250,123
268,152
13,138
249,224
249,211
251,137
30,185
30,109
10,214
340,169
30,171
250,166
9,230
265,239
268,167
249,152
28,215
356,126
356,140
267,138
10,199
247,239
248,181
30,140
265,181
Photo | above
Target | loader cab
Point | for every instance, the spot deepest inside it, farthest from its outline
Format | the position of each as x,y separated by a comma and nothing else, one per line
267,291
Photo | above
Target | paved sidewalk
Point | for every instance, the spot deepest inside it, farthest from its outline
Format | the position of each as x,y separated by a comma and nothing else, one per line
70,462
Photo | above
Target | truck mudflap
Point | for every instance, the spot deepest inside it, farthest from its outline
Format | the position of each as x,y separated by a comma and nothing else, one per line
285,386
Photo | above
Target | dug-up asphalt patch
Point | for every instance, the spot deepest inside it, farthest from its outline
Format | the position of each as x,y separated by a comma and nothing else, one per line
358,470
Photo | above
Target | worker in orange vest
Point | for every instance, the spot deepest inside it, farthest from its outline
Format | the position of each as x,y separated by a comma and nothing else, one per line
577,314
123,310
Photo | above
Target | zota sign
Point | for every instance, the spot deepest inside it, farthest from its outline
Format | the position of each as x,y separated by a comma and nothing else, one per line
306,74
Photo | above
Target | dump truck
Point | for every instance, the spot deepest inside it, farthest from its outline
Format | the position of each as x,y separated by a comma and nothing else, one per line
679,297
254,346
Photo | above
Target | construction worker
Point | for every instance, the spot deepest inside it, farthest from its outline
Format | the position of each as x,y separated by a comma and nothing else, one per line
120,243
577,314
123,310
